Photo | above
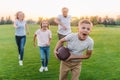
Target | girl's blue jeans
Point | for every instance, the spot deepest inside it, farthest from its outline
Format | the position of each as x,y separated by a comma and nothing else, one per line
44,54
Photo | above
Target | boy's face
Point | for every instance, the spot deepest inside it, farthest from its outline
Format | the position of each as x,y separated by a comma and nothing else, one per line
44,24
84,30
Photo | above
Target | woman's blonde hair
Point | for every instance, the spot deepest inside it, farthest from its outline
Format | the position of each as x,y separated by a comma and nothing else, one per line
18,14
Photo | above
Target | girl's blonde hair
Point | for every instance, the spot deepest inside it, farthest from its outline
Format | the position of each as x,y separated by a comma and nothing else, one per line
47,23
86,21
18,14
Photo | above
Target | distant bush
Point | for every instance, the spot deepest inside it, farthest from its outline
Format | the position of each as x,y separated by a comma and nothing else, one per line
74,21
118,20
6,21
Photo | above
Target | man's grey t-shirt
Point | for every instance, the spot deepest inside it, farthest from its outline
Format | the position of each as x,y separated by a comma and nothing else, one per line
65,21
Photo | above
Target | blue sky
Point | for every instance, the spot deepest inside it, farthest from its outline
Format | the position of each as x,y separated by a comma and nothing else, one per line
51,8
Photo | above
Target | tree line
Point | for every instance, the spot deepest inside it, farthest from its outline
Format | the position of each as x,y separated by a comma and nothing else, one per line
74,22
6,20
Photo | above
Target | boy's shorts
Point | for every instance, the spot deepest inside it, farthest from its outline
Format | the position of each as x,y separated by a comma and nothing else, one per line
74,67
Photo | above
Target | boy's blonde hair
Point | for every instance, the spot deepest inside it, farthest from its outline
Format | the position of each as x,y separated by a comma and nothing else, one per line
86,21
47,23
18,14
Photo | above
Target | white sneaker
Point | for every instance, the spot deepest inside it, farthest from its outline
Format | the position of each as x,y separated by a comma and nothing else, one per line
21,63
41,69
46,68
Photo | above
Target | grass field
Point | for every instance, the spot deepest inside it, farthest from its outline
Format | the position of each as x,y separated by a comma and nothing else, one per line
104,63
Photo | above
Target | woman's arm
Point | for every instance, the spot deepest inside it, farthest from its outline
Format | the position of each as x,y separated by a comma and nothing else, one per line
27,29
15,26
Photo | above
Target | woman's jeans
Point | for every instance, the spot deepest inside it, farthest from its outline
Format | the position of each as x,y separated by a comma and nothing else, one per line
44,53
20,41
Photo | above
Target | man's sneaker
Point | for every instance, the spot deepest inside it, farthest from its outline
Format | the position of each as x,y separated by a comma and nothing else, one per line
21,63
46,68
41,69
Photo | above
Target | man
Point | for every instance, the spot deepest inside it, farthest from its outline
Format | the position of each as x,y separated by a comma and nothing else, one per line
63,21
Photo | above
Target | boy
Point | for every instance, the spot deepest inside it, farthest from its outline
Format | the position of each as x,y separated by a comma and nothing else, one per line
76,43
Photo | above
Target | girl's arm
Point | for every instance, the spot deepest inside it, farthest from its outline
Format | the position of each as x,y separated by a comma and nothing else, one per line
50,37
48,42
34,40
27,29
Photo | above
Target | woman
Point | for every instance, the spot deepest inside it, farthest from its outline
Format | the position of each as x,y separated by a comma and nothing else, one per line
20,34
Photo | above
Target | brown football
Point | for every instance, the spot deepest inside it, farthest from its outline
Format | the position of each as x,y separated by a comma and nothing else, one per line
63,53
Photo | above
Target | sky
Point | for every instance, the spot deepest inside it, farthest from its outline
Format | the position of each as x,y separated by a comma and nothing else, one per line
51,8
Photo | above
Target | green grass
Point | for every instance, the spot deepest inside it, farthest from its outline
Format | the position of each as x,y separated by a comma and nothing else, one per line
103,64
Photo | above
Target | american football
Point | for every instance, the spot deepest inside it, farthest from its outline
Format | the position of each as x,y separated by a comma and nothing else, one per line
63,53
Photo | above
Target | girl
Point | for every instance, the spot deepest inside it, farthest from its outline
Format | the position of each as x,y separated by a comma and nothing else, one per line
43,39
20,34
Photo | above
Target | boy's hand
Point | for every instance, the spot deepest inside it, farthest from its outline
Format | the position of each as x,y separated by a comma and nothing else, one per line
69,58
74,57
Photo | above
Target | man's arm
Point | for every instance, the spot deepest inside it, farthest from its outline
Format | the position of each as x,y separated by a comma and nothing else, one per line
56,20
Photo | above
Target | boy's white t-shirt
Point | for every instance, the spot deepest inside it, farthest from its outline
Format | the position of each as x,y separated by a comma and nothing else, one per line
76,46
43,37
66,22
